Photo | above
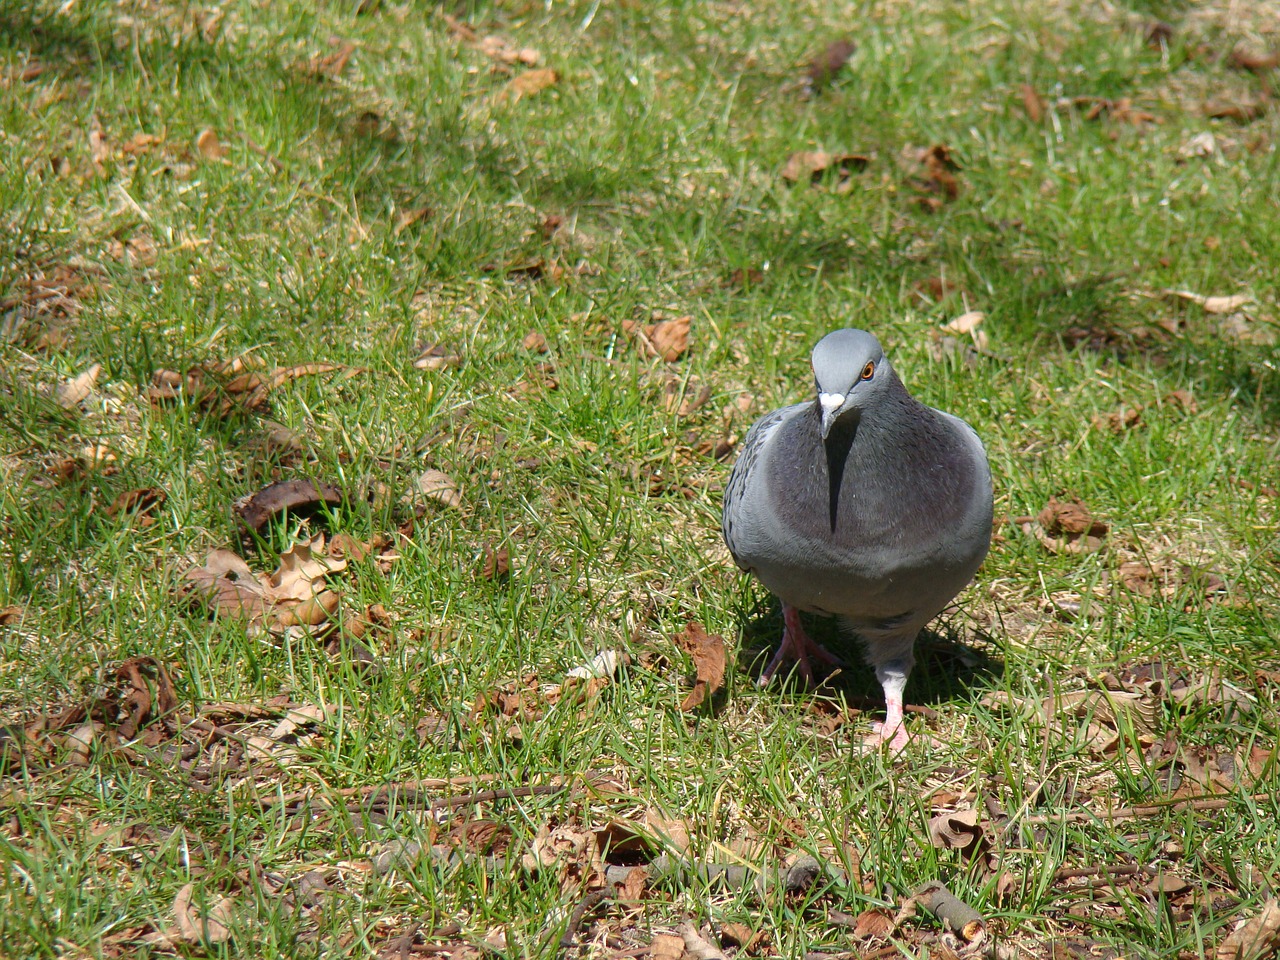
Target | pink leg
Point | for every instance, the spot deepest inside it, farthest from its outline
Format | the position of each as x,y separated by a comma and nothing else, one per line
893,731
796,645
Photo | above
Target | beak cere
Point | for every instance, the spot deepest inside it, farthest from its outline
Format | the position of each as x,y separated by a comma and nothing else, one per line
830,403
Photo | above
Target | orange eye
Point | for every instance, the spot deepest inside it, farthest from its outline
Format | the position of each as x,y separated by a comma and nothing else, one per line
869,370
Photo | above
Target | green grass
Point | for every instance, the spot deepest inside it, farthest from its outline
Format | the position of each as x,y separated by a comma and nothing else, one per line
659,150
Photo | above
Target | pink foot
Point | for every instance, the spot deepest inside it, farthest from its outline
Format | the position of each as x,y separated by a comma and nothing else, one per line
893,731
797,645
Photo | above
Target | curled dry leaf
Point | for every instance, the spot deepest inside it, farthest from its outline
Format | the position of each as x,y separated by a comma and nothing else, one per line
298,497
529,83
707,651
966,322
1255,938
71,392
1067,527
209,145
199,921
604,664
140,503
437,485
824,67
228,586
436,356
1253,60
535,342
698,946
957,831
666,946
667,339
1118,421
496,563
811,165
1223,304
1032,102
874,924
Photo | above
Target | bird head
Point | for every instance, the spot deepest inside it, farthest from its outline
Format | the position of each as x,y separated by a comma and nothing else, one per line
850,370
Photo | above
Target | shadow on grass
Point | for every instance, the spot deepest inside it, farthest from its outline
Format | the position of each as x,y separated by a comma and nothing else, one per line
948,663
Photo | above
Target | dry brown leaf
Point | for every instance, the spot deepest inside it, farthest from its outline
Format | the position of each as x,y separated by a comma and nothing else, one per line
495,564
140,503
1118,421
436,356
407,218
683,399
11,615
228,586
810,165
940,171
966,322
202,922
437,485
1255,938
824,67
1221,304
71,392
302,571
1247,59
1167,884
667,339
1184,400
1067,527
503,51
876,923
529,83
1241,111
707,651
666,946
1032,102
956,831
209,145
535,342
297,497
332,64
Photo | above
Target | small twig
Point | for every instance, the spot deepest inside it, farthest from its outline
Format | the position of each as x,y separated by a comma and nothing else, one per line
1117,870
580,911
962,919
1146,810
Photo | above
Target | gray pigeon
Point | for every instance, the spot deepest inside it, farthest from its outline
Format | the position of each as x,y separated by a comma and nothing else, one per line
864,504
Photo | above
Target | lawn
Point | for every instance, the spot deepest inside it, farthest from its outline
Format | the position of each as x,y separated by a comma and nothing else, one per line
369,377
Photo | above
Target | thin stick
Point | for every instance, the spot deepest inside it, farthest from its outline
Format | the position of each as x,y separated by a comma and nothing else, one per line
1146,810
1118,870
575,918
964,921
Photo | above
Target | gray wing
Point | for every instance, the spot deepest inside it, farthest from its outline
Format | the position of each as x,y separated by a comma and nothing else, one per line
744,472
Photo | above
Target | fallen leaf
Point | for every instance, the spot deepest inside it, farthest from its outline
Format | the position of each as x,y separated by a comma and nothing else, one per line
666,946
876,923
503,51
1255,938
697,945
1221,304
530,82
682,398
535,342
708,653
1118,421
71,392
957,831
297,497
1246,59
1032,103
1067,527
966,322
1184,400
209,145
1241,111
202,923
407,218
667,339
940,171
10,615
1167,884
603,664
436,356
228,586
496,564
1203,144
824,67
436,485
331,64
810,165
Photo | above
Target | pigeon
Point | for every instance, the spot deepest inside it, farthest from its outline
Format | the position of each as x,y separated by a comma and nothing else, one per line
862,503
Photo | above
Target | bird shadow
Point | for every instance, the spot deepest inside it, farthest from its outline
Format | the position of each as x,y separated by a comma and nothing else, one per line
950,661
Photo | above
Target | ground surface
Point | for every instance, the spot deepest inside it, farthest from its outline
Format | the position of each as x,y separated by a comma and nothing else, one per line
563,255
